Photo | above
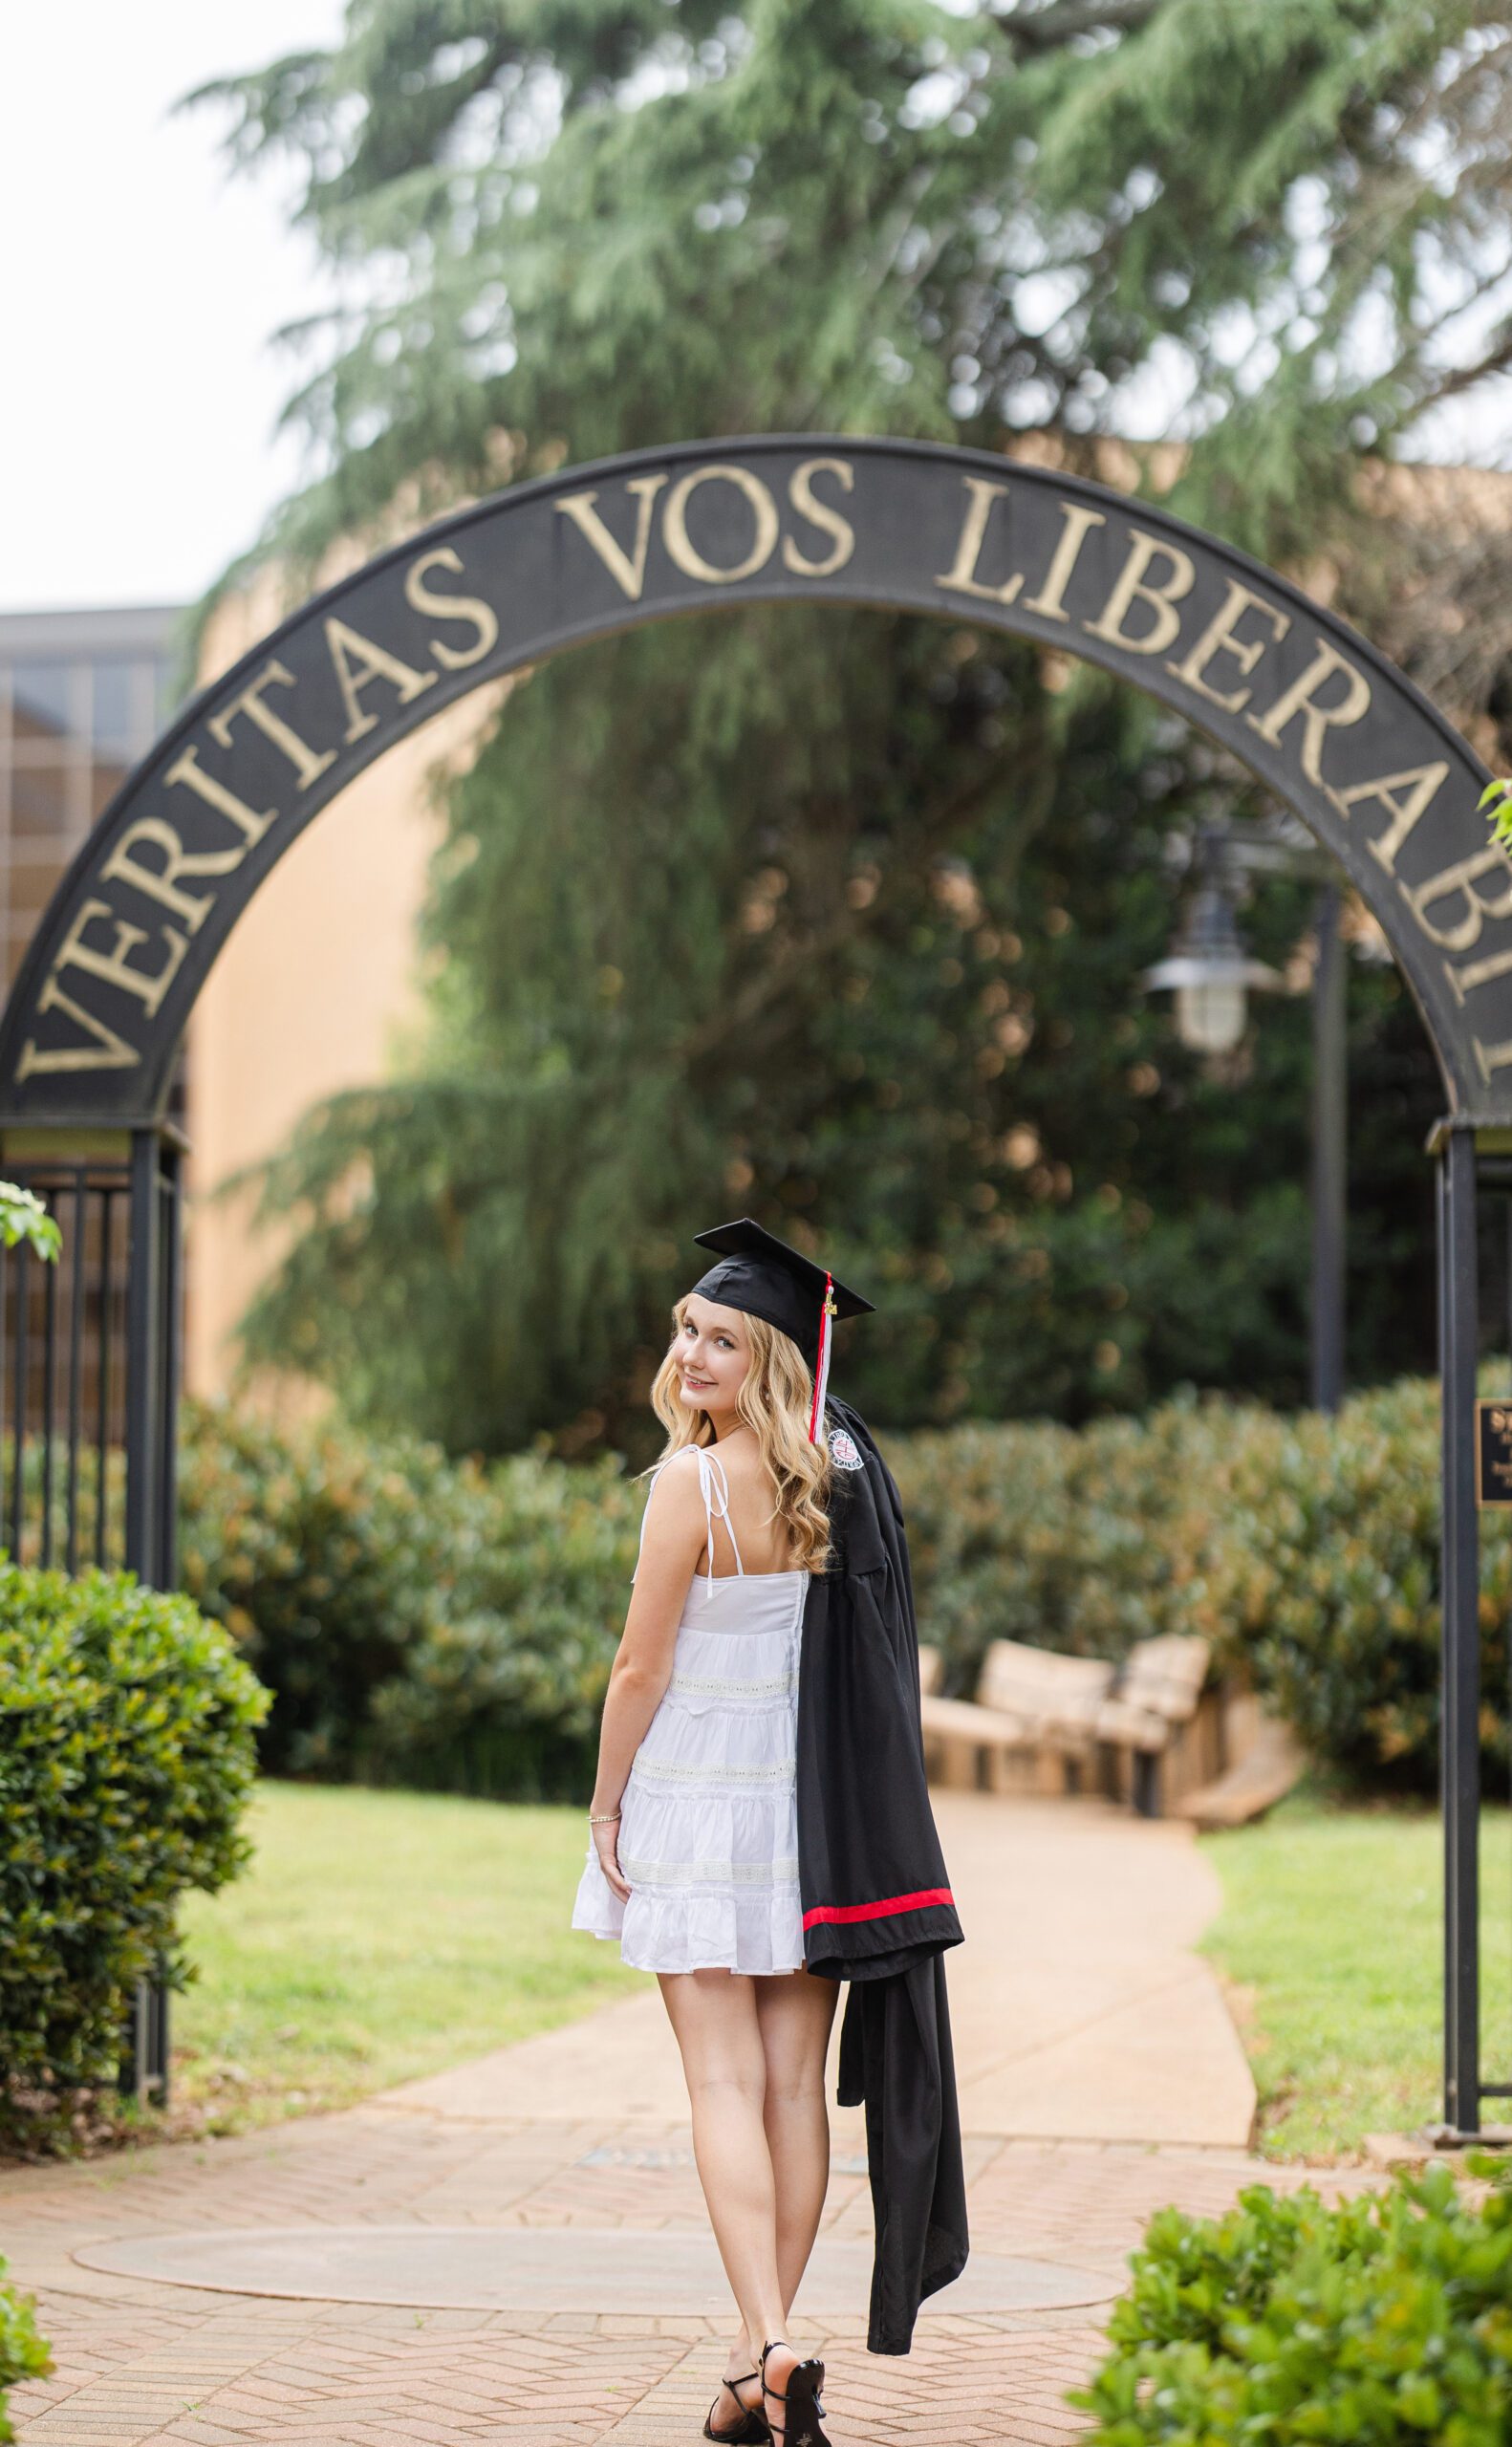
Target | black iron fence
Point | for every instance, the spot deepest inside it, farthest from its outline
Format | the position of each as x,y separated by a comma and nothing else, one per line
90,1354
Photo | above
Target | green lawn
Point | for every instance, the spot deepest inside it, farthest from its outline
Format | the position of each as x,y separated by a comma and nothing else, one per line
1332,1931
378,1935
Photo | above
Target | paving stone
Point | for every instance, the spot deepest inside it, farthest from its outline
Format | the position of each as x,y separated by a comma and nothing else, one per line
1090,2102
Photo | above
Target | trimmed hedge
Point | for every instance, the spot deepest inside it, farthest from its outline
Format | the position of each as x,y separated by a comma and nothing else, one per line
1323,1580
24,2354
1383,2321
419,1619
127,1756
451,1625
1078,1539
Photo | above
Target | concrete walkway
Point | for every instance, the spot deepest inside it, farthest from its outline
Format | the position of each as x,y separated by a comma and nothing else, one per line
1077,2008
517,2250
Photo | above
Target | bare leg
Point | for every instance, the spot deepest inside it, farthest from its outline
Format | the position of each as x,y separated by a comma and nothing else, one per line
714,2015
795,2014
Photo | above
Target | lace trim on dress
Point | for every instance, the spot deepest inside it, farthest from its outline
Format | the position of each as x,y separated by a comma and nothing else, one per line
709,1687
782,1872
675,1771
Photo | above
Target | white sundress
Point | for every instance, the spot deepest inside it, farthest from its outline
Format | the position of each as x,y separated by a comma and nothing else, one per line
708,1839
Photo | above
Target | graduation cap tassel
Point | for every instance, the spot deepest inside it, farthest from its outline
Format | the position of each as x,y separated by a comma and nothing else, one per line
821,1374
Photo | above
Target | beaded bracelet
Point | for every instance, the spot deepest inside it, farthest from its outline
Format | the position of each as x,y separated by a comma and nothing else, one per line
606,1818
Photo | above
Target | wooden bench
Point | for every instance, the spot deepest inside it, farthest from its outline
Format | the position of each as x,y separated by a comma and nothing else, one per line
1023,1726
1160,1733
1265,1761
1042,1722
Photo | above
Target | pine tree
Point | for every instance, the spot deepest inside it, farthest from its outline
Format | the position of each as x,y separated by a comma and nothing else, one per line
837,918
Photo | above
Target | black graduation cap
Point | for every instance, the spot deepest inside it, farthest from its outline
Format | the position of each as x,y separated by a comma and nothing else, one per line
759,1273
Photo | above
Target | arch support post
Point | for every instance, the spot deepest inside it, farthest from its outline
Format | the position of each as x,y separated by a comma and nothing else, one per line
154,1349
154,1357
1329,1154
1459,1727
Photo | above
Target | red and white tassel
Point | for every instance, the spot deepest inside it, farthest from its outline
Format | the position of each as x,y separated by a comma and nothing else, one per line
821,1374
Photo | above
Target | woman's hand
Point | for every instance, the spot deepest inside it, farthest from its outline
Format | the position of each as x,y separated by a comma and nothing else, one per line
606,1843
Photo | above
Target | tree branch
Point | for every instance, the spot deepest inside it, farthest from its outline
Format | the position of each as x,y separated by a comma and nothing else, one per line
1047,28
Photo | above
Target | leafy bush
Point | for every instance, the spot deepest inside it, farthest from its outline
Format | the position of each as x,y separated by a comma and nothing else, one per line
1324,1578
451,1625
1304,1548
325,1556
1383,2321
504,1694
419,1619
1078,1539
127,1755
23,2353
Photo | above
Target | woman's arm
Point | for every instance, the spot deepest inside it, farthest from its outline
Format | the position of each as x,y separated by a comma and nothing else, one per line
643,1667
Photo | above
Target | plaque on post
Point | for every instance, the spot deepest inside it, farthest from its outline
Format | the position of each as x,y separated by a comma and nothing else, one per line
1493,1455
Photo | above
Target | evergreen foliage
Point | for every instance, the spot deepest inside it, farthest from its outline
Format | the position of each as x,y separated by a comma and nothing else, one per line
128,1729
24,2352
1378,2320
450,1624
837,917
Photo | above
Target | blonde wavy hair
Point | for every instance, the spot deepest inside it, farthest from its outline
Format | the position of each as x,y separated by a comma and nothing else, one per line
775,1397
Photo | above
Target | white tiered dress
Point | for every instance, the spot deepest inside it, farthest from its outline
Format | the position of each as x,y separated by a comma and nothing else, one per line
708,1839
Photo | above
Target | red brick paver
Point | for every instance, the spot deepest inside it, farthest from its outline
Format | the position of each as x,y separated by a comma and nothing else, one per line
141,2362
1078,2008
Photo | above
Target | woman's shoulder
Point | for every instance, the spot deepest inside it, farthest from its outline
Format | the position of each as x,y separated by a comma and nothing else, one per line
674,1509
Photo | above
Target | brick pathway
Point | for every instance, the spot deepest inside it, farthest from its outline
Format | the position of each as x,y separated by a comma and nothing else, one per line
504,2143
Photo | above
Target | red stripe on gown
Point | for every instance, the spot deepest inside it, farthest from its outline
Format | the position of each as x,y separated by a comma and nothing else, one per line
919,1902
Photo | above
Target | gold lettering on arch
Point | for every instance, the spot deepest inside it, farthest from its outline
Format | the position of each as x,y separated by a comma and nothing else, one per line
1491,1057
1219,638
186,772
305,759
161,883
675,523
358,662
1077,523
627,570
1132,585
1459,881
471,608
109,1051
149,987
820,514
1301,698
1406,798
961,576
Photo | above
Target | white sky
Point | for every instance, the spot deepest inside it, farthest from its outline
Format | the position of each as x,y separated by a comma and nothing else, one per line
140,393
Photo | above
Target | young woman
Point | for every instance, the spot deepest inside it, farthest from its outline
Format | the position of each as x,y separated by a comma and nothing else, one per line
694,1858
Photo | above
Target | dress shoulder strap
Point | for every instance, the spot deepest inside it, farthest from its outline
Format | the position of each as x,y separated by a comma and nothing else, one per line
711,1470
711,1479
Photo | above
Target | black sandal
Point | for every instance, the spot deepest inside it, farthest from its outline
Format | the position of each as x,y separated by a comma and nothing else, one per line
800,2398
752,2428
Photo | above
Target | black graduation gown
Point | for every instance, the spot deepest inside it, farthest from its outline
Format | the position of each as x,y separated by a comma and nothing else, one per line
876,1902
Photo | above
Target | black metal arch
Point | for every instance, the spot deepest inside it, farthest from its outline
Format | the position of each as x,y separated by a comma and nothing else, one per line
89,1034
1381,778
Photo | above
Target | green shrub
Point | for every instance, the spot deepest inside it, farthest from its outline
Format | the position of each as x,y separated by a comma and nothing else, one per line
1078,1539
419,1619
327,1555
23,2353
127,1756
1323,1581
503,1694
451,1625
1304,1550
1383,2321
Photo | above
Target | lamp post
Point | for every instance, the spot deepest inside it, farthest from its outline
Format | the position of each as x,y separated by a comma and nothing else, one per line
1212,975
